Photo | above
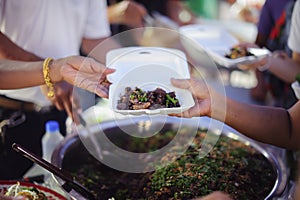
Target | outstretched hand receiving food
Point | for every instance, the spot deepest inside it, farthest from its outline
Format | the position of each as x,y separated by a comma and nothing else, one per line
202,102
249,119
263,63
260,64
207,101
266,62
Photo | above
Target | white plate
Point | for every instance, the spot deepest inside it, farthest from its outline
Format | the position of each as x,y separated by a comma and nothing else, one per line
148,69
4,185
217,42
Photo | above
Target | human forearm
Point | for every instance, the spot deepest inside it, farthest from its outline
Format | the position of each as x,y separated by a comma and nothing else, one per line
9,50
17,74
80,71
272,125
265,124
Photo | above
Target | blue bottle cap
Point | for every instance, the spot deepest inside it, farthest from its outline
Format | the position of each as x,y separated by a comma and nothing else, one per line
52,126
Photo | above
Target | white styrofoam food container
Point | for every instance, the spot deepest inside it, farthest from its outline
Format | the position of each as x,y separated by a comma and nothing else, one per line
148,68
296,88
217,42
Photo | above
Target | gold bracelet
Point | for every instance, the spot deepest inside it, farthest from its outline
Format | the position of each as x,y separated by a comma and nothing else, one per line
46,73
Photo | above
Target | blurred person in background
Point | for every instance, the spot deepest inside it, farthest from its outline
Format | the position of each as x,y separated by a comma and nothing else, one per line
125,15
130,14
246,11
179,12
207,9
32,31
273,30
176,10
286,68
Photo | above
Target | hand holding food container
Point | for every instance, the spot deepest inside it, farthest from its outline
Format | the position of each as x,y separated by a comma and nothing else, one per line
222,46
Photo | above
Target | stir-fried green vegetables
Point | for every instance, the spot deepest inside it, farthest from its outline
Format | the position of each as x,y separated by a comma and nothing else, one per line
231,167
136,99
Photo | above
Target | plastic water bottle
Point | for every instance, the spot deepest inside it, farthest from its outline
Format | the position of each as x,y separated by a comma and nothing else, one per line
51,139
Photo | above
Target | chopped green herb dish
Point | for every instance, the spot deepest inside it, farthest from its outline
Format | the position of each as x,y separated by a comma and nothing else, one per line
231,166
137,99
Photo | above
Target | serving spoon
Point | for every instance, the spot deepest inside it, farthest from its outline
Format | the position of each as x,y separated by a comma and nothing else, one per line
70,182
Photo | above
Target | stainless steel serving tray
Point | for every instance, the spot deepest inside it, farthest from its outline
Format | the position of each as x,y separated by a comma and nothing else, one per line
70,151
